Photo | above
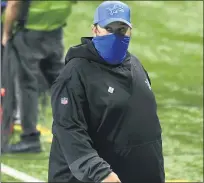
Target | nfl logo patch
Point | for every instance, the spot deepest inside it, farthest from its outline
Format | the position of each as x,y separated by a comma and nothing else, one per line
64,100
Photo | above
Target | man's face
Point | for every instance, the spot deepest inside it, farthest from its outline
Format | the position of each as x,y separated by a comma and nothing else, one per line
115,27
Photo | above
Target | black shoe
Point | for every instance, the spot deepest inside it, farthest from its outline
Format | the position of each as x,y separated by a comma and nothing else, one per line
25,147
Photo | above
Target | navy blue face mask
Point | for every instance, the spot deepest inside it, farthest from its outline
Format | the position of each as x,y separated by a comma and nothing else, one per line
112,47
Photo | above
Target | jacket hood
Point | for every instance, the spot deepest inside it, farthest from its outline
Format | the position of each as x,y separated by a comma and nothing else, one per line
87,51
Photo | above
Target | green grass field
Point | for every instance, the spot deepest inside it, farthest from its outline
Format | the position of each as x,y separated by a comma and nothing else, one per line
168,39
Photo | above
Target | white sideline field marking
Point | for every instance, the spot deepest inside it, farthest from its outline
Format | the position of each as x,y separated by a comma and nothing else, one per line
17,174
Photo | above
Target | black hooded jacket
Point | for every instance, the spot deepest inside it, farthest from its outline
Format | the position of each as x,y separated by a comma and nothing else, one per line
104,119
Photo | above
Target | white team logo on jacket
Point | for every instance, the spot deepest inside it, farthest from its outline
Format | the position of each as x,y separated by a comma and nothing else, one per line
147,82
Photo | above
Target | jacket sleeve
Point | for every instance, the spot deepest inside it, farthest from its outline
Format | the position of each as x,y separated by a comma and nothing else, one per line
71,129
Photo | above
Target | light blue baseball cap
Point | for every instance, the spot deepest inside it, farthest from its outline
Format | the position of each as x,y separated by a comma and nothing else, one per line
112,11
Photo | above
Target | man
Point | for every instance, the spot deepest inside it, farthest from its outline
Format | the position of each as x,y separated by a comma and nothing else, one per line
37,39
105,127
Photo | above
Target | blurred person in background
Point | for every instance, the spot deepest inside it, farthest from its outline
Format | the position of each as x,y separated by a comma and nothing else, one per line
105,123
16,115
36,31
3,6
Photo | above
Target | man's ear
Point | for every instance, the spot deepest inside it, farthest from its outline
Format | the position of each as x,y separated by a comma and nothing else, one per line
94,30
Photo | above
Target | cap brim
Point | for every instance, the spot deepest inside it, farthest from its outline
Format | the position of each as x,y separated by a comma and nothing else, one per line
104,23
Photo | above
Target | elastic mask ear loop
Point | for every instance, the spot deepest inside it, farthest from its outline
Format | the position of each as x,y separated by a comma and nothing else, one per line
97,31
